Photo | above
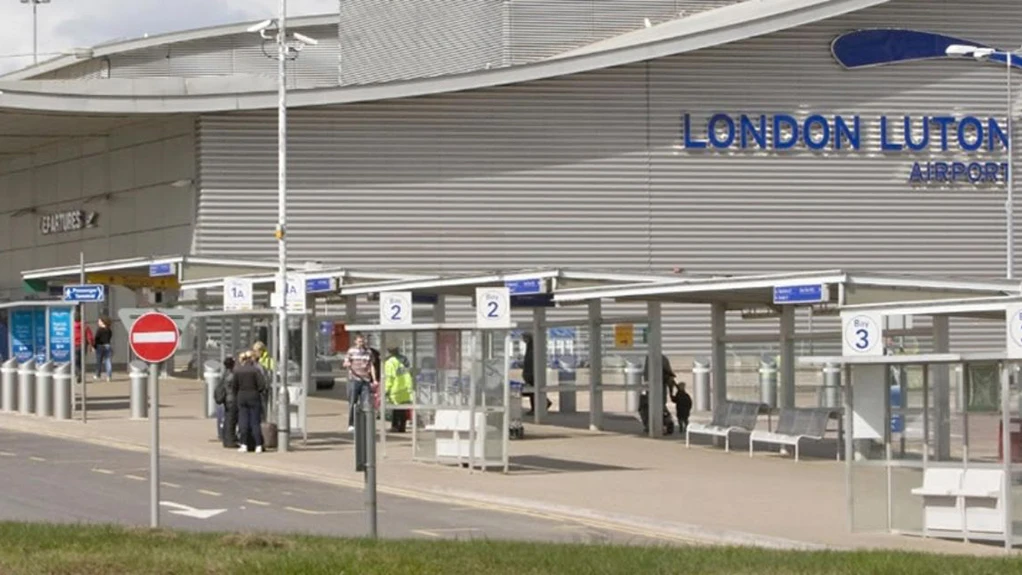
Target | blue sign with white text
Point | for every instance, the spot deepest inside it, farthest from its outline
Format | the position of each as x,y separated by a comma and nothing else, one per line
39,333
61,338
161,270
84,293
319,285
800,294
524,287
22,341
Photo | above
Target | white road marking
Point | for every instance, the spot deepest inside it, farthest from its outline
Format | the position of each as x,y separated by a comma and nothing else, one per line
256,502
135,477
103,471
169,484
208,492
440,532
7,454
310,512
188,511
34,458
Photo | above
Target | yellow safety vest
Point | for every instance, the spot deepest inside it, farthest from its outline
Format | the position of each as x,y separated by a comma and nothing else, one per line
398,381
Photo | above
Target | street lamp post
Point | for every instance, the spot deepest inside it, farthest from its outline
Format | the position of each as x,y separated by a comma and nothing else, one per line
35,26
960,50
286,50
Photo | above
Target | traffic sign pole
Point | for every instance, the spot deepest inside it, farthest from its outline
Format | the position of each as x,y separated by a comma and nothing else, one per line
154,446
81,348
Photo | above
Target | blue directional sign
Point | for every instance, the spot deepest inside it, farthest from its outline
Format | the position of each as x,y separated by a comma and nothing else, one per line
525,287
806,294
84,293
320,285
22,340
161,270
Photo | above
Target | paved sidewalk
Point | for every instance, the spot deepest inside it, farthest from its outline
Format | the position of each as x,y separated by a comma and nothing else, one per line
632,483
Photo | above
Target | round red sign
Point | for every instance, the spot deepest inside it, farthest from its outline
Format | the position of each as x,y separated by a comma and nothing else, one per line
154,337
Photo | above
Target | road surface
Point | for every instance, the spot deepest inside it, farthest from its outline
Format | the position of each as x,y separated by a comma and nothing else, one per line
48,479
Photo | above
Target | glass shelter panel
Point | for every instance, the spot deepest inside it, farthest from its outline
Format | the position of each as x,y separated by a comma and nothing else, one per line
871,438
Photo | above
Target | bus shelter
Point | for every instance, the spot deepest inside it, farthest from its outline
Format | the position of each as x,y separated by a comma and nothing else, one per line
765,299
915,466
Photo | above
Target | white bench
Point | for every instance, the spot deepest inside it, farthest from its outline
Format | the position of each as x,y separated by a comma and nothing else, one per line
458,423
729,417
794,425
962,500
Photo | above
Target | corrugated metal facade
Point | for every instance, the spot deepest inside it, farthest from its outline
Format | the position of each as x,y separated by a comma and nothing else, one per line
587,171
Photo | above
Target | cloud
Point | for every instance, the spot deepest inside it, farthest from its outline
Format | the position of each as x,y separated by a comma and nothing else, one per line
64,24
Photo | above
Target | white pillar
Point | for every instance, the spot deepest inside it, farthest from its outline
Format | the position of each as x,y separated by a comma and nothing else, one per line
308,358
787,368
539,363
941,379
200,335
656,377
718,353
595,365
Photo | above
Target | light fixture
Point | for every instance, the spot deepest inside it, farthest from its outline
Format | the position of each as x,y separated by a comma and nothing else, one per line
35,27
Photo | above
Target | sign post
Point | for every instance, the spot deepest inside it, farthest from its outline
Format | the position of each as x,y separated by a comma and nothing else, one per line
154,338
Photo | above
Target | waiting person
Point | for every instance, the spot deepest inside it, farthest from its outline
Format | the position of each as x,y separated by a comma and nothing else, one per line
248,386
227,406
362,376
682,406
397,380
668,378
102,342
80,348
529,374
264,358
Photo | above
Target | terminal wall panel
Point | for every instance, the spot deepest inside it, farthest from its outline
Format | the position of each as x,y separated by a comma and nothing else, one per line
592,171
125,179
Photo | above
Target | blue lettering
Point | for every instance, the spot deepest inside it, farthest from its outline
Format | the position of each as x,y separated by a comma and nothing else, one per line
963,134
944,122
884,144
689,142
940,171
917,173
750,129
779,142
912,145
812,122
957,171
990,172
712,131
852,135
975,172
995,131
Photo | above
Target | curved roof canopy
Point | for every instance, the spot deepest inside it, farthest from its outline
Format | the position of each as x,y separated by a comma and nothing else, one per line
197,95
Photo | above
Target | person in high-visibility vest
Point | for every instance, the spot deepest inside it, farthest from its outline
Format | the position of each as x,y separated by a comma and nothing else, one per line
399,385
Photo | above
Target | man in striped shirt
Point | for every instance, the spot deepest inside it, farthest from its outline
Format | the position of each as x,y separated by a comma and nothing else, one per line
362,376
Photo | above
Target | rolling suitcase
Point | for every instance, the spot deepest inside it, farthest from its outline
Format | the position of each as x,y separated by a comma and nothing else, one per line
269,435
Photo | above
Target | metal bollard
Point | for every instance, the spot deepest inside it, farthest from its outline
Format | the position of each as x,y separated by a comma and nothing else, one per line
768,381
211,375
566,376
9,385
44,390
633,379
138,372
26,388
701,384
831,385
62,396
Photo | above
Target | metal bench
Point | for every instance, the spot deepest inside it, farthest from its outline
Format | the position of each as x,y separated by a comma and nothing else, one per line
728,418
794,425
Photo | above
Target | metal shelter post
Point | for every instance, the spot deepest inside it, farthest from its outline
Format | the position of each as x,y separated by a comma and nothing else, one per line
595,365
1007,483
350,310
941,390
440,310
787,367
539,363
308,359
200,334
718,353
656,376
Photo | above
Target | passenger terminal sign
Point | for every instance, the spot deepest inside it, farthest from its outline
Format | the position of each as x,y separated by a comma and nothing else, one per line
951,139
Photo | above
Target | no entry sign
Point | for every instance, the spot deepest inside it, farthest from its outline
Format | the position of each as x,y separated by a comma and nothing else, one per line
154,337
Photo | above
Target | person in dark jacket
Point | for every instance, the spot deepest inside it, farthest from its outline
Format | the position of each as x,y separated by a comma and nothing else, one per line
249,385
668,379
682,406
529,373
103,342
227,406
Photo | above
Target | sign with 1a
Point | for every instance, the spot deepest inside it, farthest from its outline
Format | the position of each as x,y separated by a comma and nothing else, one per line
237,294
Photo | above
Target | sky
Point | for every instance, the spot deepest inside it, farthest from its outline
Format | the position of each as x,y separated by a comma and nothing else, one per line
66,24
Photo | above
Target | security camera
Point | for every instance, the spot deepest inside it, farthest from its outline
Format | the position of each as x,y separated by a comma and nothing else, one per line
260,26
305,39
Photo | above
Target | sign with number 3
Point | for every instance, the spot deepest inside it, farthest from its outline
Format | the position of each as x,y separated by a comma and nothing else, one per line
396,308
493,307
862,333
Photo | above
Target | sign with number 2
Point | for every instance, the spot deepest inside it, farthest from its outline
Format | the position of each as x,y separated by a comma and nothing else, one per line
493,307
396,308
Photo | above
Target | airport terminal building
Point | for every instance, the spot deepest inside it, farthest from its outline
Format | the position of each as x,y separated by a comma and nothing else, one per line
450,136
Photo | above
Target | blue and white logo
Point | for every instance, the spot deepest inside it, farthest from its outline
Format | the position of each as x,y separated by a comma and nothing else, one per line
881,46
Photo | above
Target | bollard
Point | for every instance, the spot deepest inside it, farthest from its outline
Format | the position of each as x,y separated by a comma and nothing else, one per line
633,379
44,390
566,400
26,388
768,381
831,385
211,375
62,396
701,384
9,385
138,372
